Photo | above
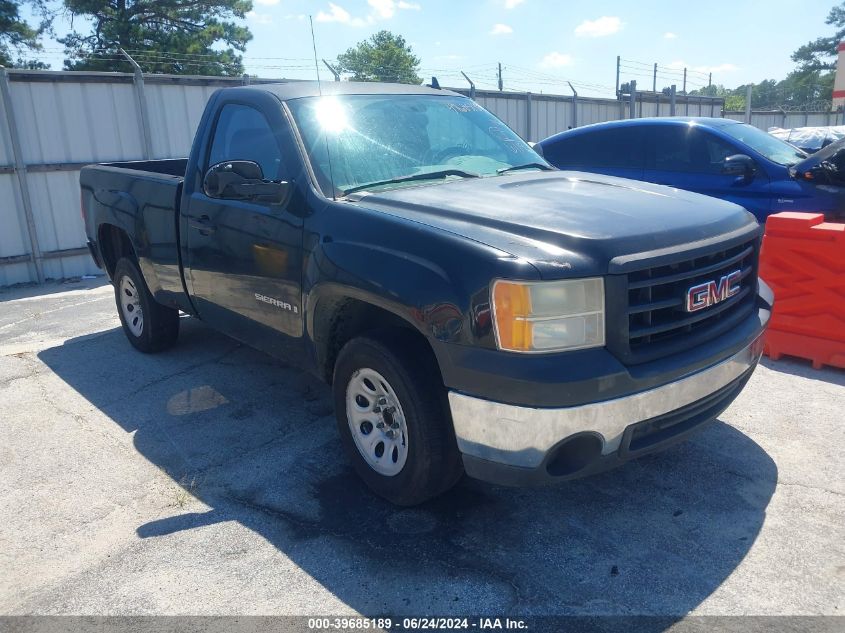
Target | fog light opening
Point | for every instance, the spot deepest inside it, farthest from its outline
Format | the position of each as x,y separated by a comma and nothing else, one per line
574,454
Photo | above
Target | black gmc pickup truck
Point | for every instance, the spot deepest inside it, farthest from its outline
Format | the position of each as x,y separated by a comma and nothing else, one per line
474,309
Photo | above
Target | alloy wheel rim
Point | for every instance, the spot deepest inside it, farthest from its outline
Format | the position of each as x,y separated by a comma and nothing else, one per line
377,422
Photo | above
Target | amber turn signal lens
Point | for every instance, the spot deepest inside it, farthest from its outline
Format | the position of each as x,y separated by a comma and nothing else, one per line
512,306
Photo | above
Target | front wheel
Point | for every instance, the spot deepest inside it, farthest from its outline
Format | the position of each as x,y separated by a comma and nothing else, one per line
149,326
393,418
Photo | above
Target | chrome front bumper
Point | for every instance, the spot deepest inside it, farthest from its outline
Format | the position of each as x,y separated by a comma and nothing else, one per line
522,436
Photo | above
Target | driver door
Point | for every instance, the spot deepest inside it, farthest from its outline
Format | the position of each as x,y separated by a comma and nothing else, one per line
244,256
691,158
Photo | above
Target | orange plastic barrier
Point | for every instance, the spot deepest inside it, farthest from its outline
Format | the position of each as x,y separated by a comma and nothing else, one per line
803,260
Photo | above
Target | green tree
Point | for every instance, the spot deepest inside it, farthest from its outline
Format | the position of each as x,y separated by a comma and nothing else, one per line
17,36
821,53
383,57
164,36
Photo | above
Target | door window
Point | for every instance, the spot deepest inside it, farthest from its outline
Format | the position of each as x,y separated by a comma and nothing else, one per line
688,149
619,147
243,133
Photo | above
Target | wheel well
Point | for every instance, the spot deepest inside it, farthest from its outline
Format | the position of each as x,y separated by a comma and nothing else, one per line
338,321
114,244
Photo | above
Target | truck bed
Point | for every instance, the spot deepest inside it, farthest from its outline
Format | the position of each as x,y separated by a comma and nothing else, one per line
144,193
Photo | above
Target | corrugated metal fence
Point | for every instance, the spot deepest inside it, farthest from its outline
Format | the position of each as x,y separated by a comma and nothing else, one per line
53,123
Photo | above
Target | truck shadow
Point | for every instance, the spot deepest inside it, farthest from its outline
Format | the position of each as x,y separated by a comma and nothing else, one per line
255,442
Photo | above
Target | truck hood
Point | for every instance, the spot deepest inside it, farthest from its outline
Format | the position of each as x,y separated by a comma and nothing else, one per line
565,223
814,160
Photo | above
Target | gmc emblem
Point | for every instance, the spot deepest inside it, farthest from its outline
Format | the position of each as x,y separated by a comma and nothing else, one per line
710,293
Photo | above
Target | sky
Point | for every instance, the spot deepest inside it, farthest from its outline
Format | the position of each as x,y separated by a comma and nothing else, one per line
541,44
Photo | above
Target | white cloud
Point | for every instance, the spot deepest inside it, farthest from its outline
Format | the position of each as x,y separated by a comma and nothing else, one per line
668,35
383,9
605,25
268,3
501,29
336,14
379,10
259,18
556,60
512,4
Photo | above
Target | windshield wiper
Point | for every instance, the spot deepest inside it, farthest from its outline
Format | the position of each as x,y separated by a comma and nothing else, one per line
542,166
427,175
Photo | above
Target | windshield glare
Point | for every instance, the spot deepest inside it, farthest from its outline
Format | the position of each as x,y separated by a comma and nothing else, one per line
772,148
355,140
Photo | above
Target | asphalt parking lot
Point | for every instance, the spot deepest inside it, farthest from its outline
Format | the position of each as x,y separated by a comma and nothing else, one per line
210,480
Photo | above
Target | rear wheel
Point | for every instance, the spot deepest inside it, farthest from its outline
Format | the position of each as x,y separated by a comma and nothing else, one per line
393,418
149,326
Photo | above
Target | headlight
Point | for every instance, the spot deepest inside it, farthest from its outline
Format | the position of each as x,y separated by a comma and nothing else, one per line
548,316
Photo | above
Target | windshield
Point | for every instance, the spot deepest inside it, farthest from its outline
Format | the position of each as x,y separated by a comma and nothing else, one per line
360,140
765,144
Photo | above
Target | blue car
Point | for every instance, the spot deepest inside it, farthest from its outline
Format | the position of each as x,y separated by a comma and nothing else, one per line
716,157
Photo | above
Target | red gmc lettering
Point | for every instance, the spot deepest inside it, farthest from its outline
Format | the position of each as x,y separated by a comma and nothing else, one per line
710,293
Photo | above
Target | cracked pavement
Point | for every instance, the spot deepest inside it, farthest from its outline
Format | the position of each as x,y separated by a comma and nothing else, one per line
210,480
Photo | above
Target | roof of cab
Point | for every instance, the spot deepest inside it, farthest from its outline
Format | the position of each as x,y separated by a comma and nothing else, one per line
299,89
663,120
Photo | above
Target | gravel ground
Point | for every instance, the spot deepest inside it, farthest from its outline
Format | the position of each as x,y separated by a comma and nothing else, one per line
209,480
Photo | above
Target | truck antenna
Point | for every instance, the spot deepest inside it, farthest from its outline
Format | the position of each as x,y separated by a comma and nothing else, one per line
320,91
316,62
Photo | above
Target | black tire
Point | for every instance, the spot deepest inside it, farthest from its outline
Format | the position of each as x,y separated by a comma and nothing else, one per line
433,464
159,325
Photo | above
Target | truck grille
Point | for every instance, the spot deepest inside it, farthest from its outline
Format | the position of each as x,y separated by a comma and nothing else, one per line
655,321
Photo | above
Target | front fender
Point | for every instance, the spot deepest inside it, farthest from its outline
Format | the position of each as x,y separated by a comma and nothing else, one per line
436,280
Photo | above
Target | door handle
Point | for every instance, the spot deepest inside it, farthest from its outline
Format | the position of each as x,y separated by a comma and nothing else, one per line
202,224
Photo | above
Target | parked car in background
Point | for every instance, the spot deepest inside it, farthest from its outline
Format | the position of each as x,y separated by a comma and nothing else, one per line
825,168
809,139
716,157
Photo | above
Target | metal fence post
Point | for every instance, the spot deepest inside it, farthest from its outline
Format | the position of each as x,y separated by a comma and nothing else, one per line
144,119
20,172
574,105
633,89
471,86
672,93
527,116
748,103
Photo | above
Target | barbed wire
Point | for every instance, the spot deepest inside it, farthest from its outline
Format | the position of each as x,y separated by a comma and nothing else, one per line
668,69
483,75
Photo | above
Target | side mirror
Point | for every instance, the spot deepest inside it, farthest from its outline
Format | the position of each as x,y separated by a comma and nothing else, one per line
243,180
739,165
537,148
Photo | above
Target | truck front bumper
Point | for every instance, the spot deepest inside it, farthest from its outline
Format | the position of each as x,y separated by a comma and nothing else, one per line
522,445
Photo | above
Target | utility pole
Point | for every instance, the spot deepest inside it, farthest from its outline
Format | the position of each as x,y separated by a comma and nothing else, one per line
709,80
685,81
654,82
672,92
618,62
500,77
